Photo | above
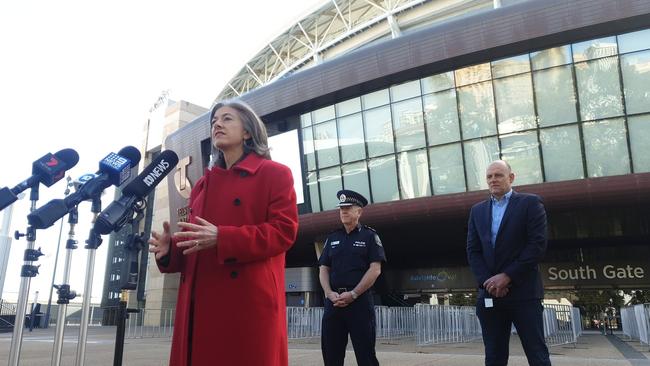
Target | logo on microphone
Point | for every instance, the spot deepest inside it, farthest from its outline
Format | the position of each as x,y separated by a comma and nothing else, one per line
157,172
53,162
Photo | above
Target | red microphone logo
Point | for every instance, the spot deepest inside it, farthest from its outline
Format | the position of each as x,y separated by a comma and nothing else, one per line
53,162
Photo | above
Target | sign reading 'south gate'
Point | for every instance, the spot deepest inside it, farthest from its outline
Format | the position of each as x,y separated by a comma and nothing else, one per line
606,273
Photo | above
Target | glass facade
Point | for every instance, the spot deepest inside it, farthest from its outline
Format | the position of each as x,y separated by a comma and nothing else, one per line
569,112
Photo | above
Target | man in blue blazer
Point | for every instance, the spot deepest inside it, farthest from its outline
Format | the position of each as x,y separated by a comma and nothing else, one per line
506,239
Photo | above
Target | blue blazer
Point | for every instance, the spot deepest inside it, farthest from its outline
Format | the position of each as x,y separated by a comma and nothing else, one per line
520,245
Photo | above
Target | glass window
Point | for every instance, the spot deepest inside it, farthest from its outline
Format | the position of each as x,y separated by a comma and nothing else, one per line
514,99
447,172
326,143
521,151
305,120
636,81
375,99
379,131
510,66
639,138
330,183
414,174
555,96
312,186
472,74
606,148
324,114
348,107
562,154
408,124
635,41
383,179
441,117
594,48
405,91
355,177
476,109
308,147
478,155
599,89
551,57
438,82
351,138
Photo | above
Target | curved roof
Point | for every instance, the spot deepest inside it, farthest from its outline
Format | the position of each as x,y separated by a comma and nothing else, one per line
340,26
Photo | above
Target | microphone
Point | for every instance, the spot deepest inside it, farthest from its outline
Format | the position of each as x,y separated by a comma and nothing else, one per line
47,170
117,213
114,169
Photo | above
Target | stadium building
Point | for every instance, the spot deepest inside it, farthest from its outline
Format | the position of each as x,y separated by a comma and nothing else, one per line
408,101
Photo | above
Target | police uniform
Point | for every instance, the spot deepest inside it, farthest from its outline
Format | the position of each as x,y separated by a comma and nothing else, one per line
348,255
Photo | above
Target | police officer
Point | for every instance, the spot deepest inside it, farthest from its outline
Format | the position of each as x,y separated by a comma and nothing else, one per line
349,265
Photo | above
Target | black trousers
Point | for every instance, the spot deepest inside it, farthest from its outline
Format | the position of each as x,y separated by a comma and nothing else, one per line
496,324
356,319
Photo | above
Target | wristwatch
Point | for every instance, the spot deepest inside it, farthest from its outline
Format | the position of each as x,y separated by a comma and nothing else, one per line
354,295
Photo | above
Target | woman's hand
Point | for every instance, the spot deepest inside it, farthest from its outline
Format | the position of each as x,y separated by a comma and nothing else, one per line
199,236
159,243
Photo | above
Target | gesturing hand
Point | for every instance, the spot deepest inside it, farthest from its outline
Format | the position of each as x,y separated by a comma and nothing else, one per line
199,236
159,243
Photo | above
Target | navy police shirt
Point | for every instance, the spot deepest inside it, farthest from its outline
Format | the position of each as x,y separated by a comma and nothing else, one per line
349,255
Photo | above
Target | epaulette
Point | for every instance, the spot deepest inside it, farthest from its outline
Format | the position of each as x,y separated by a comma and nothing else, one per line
370,228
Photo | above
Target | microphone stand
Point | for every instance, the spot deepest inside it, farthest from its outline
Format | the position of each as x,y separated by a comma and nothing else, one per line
28,271
93,242
134,243
65,295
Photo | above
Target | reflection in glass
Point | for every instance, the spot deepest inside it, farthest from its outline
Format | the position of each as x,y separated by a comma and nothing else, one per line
312,186
438,82
330,183
606,148
408,124
555,96
510,66
594,48
478,155
348,107
599,88
551,57
441,117
407,90
413,174
305,120
355,177
308,147
324,114
635,41
375,99
514,98
639,138
326,143
476,107
383,179
379,131
521,151
472,74
636,81
447,172
562,154
351,138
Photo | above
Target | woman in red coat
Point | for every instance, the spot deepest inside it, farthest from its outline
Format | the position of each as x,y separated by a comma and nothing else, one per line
243,218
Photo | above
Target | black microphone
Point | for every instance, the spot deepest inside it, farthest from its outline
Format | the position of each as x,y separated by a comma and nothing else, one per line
47,170
117,213
114,169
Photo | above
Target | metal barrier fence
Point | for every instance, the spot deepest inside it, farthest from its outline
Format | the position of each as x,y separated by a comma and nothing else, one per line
395,322
72,316
304,322
150,323
438,324
561,324
636,322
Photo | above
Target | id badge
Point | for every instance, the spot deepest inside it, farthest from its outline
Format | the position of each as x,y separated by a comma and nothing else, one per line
488,302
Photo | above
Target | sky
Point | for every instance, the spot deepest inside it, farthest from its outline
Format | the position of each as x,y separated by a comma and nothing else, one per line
84,74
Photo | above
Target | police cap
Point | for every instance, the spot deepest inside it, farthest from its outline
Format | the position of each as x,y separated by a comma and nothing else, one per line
348,198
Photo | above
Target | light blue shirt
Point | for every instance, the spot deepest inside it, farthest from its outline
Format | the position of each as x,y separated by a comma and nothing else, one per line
498,210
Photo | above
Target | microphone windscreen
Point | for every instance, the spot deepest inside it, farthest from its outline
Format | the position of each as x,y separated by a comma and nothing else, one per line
152,175
48,214
130,153
69,156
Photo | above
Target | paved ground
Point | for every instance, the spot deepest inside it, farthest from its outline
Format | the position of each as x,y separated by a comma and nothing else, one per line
592,349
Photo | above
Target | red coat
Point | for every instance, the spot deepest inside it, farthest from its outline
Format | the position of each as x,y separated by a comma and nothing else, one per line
231,302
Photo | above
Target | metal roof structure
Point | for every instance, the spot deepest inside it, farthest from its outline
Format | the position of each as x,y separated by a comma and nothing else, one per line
341,26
